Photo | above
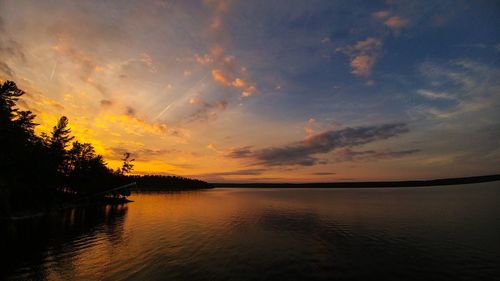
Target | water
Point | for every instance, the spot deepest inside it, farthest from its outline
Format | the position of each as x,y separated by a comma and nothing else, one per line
438,233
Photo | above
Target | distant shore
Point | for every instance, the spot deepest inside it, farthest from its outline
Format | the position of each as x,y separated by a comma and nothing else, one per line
367,184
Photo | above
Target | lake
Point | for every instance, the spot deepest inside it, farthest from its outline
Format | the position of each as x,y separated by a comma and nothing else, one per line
425,233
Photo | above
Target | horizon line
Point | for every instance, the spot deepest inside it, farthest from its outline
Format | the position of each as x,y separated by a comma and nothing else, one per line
418,182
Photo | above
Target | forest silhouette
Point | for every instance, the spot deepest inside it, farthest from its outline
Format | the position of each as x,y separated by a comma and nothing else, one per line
42,172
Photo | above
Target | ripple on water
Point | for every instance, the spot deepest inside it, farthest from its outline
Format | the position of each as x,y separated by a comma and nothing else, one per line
241,234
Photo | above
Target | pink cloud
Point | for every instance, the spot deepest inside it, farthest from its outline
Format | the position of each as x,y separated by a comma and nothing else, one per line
363,55
362,65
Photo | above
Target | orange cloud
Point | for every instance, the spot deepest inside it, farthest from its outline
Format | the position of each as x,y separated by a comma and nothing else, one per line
394,22
368,45
238,83
194,101
362,65
219,76
249,91
224,68
397,22
225,71
363,55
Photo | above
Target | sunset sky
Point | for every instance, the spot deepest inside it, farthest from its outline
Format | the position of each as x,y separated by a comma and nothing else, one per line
266,91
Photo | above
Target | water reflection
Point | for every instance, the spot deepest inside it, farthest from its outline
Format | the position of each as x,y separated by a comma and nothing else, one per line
447,233
325,249
51,247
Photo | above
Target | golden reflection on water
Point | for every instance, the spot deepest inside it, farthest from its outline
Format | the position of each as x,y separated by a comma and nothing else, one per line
264,233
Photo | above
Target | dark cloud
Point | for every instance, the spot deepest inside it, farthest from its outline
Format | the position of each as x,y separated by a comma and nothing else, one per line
347,154
301,153
106,103
323,174
221,176
130,111
207,111
99,87
241,152
245,172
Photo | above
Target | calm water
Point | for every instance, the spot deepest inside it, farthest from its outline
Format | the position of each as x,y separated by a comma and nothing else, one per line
438,233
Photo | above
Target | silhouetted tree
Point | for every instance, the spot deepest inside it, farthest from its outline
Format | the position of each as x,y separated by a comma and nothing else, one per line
40,171
59,140
9,95
127,165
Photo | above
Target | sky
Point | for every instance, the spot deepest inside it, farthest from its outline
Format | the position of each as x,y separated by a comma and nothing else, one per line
266,91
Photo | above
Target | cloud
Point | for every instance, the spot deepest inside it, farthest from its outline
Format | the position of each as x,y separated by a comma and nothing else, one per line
127,124
473,84
347,154
130,111
203,59
435,95
241,152
12,49
147,61
238,175
362,65
396,23
219,76
226,72
302,152
323,174
311,126
207,111
38,102
368,45
106,103
238,83
462,76
363,55
244,172
84,63
5,69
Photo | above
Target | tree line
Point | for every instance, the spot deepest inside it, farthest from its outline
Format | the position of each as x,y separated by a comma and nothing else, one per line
40,171
37,172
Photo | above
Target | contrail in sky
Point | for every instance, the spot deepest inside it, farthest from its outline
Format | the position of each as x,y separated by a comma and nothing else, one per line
53,71
187,92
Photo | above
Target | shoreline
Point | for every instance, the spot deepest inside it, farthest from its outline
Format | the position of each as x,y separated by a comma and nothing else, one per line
367,184
30,214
